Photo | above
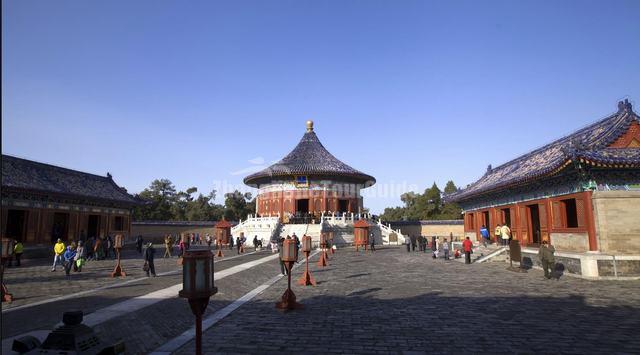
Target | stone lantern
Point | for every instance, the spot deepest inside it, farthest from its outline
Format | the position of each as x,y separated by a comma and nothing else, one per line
288,255
198,285
306,279
361,234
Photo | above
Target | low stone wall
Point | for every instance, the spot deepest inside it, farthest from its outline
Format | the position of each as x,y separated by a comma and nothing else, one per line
155,231
589,265
616,217
442,228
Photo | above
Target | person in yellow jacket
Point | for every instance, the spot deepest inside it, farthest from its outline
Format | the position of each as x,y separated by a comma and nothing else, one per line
58,250
498,234
18,249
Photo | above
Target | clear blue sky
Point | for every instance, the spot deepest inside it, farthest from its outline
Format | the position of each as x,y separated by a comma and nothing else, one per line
410,92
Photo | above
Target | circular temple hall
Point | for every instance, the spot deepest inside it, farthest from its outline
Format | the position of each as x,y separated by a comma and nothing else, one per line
308,182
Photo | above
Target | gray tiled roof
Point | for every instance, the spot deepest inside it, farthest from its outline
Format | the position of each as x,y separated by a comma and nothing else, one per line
587,144
309,157
29,176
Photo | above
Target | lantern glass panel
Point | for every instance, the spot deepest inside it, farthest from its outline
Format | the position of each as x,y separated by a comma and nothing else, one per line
201,277
306,244
186,275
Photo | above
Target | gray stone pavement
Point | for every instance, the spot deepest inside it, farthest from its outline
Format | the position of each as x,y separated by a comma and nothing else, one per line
45,316
399,302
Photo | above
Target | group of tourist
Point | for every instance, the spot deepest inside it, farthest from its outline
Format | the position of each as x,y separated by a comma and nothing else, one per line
436,246
72,256
18,250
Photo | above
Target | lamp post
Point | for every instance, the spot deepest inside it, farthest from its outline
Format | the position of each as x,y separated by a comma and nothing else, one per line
323,255
361,234
7,254
288,255
118,243
306,279
198,285
222,232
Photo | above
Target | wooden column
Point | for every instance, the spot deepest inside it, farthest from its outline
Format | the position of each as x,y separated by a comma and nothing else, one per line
591,223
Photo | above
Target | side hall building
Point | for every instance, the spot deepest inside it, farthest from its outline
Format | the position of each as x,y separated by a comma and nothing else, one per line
42,202
580,192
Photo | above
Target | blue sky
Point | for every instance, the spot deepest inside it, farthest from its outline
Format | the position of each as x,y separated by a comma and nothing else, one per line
410,92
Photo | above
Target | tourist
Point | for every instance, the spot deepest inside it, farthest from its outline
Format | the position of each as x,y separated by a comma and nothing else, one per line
372,241
238,244
498,234
505,232
108,244
435,241
547,258
182,246
231,242
139,244
484,232
18,249
79,259
407,241
149,254
69,259
297,245
89,247
413,243
255,242
445,249
208,240
168,244
456,253
467,245
58,251
98,249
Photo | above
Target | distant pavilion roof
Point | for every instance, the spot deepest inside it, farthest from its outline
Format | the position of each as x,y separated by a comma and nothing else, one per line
22,175
590,145
309,157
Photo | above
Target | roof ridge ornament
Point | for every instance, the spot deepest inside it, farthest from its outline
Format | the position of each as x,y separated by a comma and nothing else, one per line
625,106
309,126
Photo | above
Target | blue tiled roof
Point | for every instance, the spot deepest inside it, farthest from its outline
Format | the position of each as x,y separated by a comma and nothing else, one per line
30,176
309,157
587,144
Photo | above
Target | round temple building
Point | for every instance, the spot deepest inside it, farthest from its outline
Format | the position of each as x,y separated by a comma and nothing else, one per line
308,182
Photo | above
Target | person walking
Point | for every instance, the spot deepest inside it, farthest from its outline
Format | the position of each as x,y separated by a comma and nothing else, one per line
230,242
79,259
148,256
498,234
407,241
467,245
372,241
505,232
238,244
18,249
445,249
58,251
255,242
435,245
108,246
413,243
89,247
139,242
69,256
208,240
484,232
168,244
547,258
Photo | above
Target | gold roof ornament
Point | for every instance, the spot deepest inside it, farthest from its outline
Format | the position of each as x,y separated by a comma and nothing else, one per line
309,126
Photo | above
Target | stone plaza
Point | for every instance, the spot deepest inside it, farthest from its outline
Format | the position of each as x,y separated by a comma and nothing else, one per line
389,301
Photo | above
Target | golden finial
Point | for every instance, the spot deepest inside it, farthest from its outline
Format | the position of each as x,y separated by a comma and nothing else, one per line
309,126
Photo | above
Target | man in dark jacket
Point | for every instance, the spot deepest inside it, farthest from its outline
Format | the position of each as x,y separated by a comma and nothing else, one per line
149,254
547,258
139,244
372,241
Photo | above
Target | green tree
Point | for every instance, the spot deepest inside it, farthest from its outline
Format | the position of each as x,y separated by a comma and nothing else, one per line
450,188
238,205
160,197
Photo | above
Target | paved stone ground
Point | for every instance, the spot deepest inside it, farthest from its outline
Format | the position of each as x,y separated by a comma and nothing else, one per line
398,302
47,315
